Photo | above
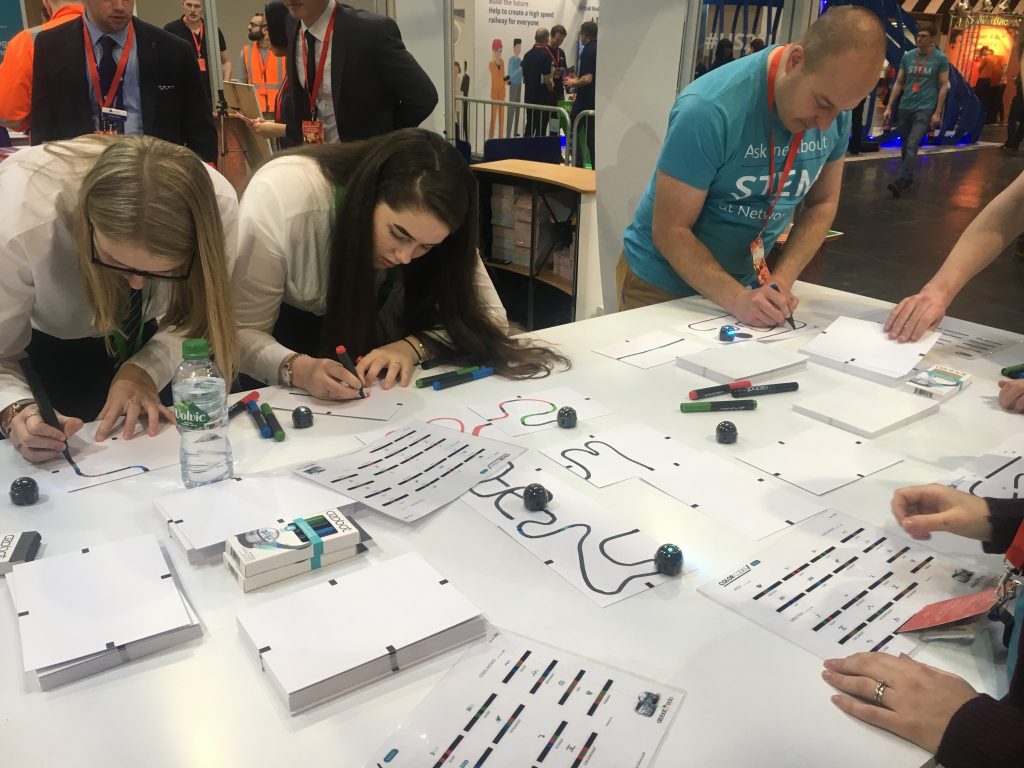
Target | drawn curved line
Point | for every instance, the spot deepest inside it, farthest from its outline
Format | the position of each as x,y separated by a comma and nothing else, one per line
579,550
80,473
1016,484
462,427
974,487
587,449
601,547
522,419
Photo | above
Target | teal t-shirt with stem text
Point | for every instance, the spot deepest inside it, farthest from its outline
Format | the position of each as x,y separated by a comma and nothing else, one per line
924,72
717,141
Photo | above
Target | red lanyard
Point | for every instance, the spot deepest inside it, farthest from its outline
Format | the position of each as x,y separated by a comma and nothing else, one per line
554,58
919,68
107,99
794,146
198,41
1015,554
324,48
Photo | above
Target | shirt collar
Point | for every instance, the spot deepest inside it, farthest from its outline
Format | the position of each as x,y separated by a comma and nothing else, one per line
319,27
95,33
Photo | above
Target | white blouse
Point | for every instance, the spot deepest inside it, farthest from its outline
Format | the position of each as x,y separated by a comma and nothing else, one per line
284,243
40,281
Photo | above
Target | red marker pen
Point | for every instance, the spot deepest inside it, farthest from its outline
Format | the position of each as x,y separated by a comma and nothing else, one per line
341,354
723,389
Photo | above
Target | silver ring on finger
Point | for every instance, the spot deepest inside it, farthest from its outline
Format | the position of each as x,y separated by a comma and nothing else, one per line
132,401
880,691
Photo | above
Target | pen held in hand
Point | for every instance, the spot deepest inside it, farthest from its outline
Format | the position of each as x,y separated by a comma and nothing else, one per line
789,319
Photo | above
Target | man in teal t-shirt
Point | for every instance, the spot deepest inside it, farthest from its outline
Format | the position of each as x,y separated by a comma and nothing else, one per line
707,202
923,80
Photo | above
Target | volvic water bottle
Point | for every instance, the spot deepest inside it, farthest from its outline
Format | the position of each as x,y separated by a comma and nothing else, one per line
201,410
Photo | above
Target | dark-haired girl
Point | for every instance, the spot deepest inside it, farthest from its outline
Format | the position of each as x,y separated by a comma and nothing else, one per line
372,245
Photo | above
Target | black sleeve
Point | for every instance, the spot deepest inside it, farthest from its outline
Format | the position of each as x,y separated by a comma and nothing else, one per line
223,45
45,92
1006,516
588,63
983,733
197,129
402,75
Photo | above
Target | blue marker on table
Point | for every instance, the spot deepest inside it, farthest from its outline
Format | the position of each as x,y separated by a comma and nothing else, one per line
257,418
462,378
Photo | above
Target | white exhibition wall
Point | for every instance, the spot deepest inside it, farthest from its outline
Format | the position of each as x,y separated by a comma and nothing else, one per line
422,24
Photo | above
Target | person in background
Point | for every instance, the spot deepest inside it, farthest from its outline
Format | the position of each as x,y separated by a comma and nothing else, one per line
514,78
16,65
496,67
718,201
369,84
189,27
159,92
939,711
114,249
558,62
1015,120
923,80
372,245
261,67
757,44
538,83
585,85
723,54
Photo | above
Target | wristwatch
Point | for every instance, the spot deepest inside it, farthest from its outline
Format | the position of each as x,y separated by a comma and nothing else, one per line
284,372
7,415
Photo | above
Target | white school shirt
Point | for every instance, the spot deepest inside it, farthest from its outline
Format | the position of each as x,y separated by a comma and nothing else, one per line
40,280
325,99
284,241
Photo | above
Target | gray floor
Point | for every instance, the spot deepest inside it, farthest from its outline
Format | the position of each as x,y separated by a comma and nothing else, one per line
892,247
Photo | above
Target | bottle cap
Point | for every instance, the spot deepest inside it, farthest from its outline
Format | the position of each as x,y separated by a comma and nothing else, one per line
195,349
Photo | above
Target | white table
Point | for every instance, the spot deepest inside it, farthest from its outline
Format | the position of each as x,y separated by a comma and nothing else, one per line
752,697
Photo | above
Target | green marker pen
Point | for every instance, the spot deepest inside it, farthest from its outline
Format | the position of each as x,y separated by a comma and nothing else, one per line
718,405
272,422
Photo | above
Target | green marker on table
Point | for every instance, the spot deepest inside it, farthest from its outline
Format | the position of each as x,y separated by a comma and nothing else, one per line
718,405
272,422
428,381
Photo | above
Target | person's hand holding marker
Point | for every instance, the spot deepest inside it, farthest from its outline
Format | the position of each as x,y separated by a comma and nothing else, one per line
764,306
325,379
36,440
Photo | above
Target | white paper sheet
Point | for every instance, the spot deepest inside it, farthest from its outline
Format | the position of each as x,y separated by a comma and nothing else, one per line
513,701
651,349
77,604
820,459
736,362
412,471
207,516
381,405
593,548
724,489
999,474
862,347
866,409
521,414
456,417
835,586
958,339
113,459
328,629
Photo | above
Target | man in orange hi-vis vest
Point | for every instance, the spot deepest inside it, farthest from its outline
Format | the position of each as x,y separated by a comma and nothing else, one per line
261,67
16,67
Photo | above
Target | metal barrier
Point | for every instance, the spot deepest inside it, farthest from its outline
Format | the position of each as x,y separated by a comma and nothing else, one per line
481,119
576,133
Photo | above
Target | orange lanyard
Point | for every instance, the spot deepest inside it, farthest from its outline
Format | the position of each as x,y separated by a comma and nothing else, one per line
1015,554
198,41
794,145
919,68
324,48
107,99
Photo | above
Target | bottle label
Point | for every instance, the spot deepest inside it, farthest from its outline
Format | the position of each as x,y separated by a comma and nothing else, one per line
189,415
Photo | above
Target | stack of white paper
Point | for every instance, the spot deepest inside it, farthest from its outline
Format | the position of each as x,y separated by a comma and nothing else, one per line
96,608
862,348
866,409
202,519
741,361
325,640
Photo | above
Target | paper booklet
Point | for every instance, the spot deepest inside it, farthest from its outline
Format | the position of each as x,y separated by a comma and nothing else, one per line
741,361
367,625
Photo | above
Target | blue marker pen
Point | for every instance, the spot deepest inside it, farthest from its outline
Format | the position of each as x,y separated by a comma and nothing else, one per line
257,418
462,378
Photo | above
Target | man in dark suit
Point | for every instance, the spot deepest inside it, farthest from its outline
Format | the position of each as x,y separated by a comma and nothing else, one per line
585,90
370,83
538,83
158,93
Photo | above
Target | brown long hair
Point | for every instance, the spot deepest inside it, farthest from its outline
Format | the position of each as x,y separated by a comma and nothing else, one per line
159,196
414,169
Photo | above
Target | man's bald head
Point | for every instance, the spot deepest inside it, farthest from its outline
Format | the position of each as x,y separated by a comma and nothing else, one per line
840,31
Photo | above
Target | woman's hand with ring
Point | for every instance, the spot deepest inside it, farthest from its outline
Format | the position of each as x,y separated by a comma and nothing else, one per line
398,359
36,440
132,394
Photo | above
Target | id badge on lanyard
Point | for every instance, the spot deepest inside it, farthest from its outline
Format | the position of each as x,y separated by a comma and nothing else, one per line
112,121
313,130
757,254
919,70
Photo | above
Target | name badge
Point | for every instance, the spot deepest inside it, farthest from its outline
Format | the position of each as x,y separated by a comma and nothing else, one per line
112,120
312,132
759,261
202,65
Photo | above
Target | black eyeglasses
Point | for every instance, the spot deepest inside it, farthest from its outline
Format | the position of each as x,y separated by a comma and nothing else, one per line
137,272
